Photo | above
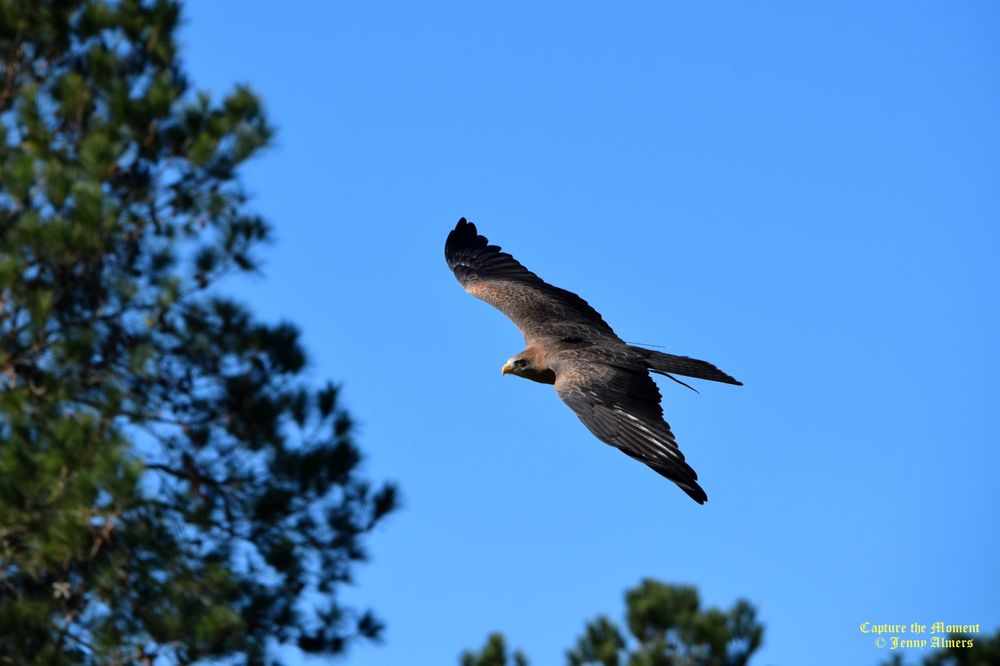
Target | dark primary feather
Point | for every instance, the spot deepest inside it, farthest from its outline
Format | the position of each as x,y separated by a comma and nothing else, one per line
622,408
535,306
472,257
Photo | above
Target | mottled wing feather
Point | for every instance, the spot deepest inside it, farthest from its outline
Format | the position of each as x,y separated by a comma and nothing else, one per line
536,307
621,406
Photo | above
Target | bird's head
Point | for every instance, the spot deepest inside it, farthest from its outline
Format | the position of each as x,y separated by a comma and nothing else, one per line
523,365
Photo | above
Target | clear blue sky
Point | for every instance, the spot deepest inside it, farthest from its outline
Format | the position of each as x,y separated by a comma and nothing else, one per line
807,194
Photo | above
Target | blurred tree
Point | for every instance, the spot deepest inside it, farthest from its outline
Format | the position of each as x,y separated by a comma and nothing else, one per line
984,651
668,628
494,653
602,643
671,629
170,490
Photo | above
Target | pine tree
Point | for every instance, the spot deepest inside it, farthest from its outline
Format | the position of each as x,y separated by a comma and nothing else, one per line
494,653
171,490
667,627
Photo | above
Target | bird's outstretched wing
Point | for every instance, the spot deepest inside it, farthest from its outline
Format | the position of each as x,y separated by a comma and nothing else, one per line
621,406
537,308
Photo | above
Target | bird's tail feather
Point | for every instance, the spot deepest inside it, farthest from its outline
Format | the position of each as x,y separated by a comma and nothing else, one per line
663,363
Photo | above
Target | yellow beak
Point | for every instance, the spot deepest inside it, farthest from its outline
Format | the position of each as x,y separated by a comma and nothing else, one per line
507,369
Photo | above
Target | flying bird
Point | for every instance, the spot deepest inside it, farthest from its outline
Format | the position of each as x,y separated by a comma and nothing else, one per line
604,380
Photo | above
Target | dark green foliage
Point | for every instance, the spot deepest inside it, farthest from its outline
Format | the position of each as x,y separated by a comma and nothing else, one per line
494,653
984,651
169,487
668,627
672,629
601,643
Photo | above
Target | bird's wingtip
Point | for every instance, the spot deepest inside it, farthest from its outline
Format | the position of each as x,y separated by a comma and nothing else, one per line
464,236
696,493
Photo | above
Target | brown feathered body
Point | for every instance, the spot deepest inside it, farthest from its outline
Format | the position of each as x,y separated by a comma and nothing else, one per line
604,380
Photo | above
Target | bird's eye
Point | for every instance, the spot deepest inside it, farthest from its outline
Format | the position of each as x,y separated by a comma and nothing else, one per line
521,362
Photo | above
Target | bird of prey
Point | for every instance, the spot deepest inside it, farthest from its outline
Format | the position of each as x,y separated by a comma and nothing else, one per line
604,380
